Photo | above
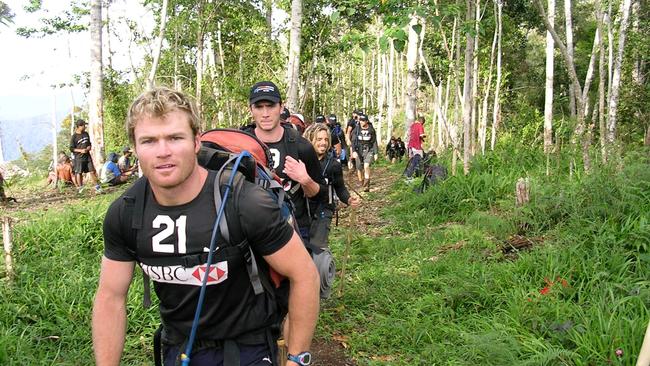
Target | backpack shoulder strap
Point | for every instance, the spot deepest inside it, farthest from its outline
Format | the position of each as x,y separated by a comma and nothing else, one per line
230,228
291,137
134,200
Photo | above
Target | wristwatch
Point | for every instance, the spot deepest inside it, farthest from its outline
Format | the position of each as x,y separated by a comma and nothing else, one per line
302,359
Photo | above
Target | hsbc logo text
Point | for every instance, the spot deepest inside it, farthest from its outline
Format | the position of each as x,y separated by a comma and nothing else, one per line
187,275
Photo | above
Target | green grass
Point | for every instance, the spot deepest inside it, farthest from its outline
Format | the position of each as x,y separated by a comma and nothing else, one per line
410,299
433,289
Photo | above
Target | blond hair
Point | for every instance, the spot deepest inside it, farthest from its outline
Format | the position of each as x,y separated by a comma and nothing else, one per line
312,131
156,103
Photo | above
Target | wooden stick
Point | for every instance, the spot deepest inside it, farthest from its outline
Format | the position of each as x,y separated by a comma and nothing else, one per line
6,239
346,254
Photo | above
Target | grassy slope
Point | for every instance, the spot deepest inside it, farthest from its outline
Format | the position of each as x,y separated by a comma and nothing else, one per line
425,292
436,289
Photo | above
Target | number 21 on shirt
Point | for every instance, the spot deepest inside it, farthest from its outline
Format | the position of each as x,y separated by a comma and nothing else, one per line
169,224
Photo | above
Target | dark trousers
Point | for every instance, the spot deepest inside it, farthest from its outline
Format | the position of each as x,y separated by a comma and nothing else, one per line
256,355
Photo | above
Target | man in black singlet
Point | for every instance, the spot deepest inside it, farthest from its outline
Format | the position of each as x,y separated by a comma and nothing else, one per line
294,159
177,220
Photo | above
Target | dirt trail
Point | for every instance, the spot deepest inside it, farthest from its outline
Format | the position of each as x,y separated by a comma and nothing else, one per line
326,351
329,351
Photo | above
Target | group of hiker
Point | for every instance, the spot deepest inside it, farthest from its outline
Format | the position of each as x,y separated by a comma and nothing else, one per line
70,172
215,247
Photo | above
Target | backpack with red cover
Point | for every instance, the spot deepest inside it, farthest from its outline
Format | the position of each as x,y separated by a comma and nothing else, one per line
221,146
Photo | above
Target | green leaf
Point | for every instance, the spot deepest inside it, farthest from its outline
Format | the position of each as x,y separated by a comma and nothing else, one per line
383,43
351,11
417,28
400,35
335,16
399,45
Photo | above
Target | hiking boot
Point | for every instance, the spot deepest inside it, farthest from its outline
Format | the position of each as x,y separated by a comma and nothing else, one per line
366,185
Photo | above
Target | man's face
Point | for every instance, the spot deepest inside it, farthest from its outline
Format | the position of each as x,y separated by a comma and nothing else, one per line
266,114
81,128
322,142
167,149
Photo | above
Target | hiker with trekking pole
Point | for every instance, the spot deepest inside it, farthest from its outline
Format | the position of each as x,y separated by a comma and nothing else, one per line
217,301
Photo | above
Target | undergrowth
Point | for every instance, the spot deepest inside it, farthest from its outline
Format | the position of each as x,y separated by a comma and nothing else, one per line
443,291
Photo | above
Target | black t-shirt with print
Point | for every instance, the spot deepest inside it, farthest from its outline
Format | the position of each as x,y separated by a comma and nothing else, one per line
306,153
172,232
80,141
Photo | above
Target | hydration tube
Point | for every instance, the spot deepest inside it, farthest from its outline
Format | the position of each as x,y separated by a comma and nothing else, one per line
185,357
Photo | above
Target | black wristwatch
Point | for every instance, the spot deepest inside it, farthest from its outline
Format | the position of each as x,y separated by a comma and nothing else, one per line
302,359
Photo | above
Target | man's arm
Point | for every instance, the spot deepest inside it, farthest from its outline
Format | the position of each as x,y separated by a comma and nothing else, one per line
109,311
297,171
293,261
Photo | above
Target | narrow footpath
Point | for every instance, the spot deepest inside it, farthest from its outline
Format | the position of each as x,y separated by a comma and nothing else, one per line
330,350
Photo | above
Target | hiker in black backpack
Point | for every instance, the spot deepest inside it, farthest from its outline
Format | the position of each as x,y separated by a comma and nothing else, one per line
294,159
323,212
177,212
364,149
335,136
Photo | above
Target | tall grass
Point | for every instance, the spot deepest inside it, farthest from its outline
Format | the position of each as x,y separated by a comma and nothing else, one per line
45,313
441,292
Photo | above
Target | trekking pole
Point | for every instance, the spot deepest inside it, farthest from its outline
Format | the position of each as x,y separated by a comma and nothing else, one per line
346,254
354,190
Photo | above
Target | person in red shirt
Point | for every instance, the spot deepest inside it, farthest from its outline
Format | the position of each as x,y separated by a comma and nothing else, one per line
416,138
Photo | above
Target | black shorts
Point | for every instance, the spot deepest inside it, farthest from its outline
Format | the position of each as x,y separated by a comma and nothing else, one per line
83,166
254,355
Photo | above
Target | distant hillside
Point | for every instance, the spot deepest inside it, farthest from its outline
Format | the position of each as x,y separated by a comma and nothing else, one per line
33,133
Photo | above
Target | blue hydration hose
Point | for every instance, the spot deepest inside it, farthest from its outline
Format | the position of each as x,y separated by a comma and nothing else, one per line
185,357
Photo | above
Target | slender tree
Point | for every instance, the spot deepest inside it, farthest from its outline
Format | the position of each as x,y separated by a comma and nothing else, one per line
293,66
468,102
412,75
158,45
616,75
96,94
548,97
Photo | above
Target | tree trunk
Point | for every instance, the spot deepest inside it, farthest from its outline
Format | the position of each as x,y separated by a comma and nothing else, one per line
616,76
159,42
293,70
269,19
96,93
410,102
496,110
109,54
475,78
391,90
55,132
569,45
601,83
365,82
199,75
482,128
548,98
468,103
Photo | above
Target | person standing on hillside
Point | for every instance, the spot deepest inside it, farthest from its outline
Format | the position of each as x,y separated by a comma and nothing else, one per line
364,149
416,137
178,214
294,159
80,146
